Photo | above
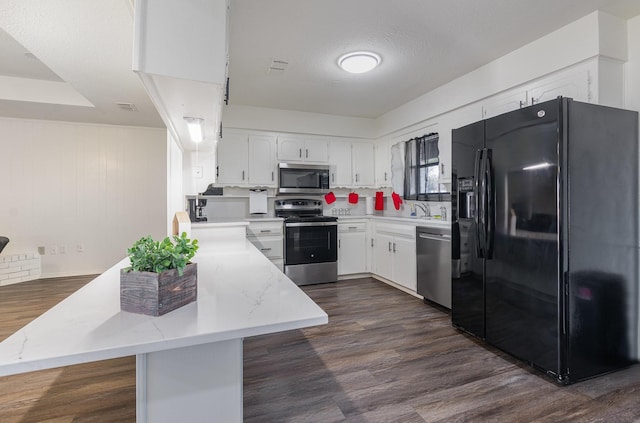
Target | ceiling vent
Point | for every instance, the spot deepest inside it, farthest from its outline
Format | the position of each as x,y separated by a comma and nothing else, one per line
277,66
128,107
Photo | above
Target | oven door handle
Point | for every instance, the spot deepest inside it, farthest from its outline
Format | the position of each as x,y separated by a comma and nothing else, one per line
299,224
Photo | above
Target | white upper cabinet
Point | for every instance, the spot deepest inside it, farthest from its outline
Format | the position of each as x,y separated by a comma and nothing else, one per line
298,149
574,82
382,164
233,160
503,102
262,160
362,158
246,160
183,70
340,158
196,47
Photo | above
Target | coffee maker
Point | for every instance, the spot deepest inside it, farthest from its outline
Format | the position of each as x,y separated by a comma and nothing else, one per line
196,208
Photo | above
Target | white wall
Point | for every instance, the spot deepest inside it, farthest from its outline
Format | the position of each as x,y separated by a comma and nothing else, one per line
175,193
71,185
595,34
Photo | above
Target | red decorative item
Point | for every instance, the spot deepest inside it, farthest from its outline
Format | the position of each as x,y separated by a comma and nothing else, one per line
353,198
330,197
396,200
379,201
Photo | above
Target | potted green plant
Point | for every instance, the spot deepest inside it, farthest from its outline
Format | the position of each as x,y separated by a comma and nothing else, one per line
161,277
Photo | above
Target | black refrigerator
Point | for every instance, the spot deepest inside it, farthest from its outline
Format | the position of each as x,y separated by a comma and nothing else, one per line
545,236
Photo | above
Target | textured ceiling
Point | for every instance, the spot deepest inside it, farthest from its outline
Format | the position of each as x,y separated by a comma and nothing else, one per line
423,43
86,47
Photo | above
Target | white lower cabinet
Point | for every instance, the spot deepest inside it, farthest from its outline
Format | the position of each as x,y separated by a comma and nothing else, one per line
268,238
352,248
394,254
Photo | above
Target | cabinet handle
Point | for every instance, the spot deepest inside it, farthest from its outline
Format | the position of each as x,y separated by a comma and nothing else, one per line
441,168
333,177
389,246
372,242
265,230
306,153
353,227
357,177
272,176
394,247
243,175
522,103
533,101
300,153
385,176
339,244
217,171
265,249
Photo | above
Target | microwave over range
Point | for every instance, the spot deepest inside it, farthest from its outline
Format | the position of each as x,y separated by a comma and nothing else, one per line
303,179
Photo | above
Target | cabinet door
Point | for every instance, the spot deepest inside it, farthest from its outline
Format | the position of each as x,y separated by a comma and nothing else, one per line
352,253
404,262
290,149
574,83
262,160
233,159
316,151
340,157
382,164
444,157
383,255
505,102
363,158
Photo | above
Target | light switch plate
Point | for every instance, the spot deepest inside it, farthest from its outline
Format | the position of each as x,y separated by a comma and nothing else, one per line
197,172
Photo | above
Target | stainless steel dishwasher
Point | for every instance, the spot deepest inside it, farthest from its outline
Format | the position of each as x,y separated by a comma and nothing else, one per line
433,249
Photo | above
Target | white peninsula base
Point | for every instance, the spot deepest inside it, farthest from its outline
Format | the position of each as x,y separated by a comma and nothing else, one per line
188,361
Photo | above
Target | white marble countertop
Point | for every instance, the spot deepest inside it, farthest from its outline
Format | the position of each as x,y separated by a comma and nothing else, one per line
240,294
218,222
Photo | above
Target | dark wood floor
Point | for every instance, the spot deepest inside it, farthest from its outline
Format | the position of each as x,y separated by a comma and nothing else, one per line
385,357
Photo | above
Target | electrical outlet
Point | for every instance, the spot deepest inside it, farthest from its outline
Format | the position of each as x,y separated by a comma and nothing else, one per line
62,249
53,250
197,172
41,250
80,248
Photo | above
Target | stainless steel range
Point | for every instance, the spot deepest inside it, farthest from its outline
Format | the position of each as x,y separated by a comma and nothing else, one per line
310,241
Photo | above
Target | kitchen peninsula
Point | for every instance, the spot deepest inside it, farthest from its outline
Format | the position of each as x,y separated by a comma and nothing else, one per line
189,361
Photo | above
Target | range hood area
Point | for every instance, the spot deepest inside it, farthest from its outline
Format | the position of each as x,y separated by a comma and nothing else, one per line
183,70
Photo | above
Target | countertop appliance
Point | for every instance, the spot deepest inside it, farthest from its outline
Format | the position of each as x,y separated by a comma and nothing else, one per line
551,272
310,241
433,258
303,179
196,207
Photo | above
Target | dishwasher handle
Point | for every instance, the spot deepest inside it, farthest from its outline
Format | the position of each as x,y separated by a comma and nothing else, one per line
435,237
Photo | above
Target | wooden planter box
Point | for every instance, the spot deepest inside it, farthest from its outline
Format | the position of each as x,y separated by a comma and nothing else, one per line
156,294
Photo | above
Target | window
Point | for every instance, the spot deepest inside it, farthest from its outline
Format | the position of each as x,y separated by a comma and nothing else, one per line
421,169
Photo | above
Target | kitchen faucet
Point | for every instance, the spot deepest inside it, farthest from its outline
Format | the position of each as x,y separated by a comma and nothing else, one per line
425,208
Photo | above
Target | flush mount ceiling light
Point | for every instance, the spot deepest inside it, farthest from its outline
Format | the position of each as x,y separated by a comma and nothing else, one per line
196,128
359,61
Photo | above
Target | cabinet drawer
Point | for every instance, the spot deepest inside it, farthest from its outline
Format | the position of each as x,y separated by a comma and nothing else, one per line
352,227
272,247
264,229
396,229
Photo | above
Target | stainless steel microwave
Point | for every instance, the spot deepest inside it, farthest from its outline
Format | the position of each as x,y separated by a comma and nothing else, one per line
303,179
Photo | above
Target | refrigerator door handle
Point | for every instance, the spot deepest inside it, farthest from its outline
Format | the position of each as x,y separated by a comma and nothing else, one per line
489,205
477,190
